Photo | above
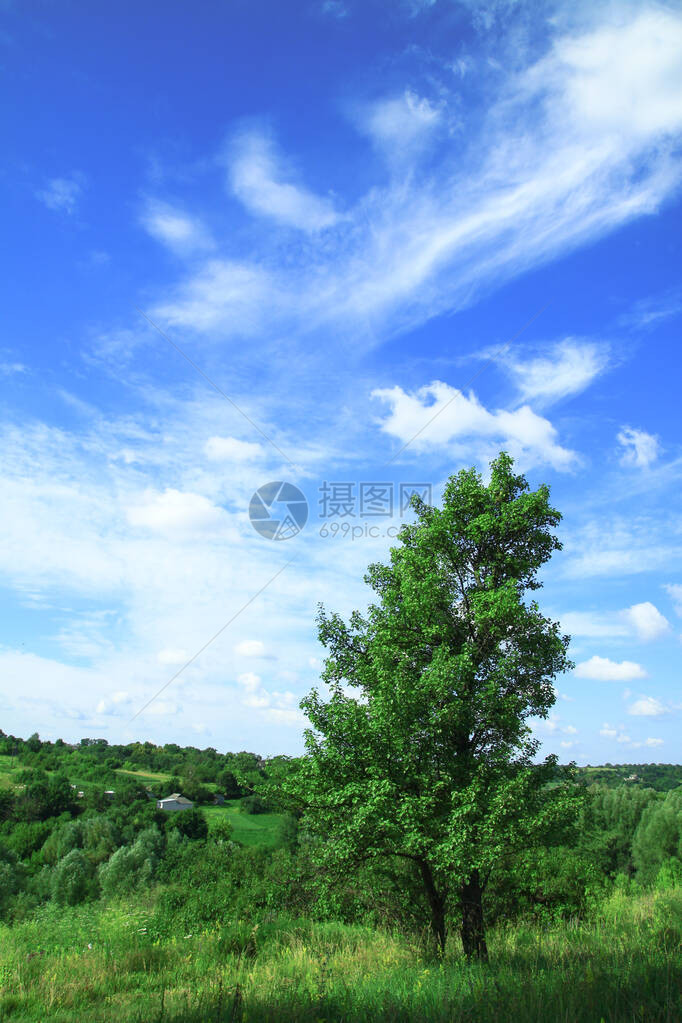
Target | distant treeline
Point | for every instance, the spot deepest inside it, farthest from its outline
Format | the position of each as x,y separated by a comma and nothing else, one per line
77,824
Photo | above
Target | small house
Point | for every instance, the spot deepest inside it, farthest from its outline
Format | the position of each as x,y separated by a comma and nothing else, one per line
109,793
174,802
219,799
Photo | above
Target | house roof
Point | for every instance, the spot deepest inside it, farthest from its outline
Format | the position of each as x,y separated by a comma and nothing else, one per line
176,797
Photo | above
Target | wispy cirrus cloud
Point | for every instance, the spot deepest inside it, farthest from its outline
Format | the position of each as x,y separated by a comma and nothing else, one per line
572,146
174,228
260,181
563,369
62,194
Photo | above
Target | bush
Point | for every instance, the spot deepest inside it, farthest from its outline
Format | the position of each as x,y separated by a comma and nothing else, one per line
255,804
71,879
190,823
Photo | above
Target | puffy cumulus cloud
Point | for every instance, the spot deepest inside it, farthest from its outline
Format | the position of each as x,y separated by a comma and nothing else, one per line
653,742
62,194
641,448
608,731
177,230
647,621
621,80
258,181
601,669
647,707
117,703
231,449
440,416
176,512
275,706
568,367
250,648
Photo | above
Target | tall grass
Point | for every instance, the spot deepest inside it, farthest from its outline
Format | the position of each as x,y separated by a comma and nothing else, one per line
96,963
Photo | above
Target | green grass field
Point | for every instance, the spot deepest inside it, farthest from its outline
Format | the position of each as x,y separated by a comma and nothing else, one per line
248,829
153,780
107,965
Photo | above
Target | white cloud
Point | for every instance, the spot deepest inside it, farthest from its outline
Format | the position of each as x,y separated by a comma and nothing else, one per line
459,420
8,369
614,545
593,624
647,706
249,680
231,449
641,449
179,231
623,78
250,648
608,731
334,8
654,742
256,179
176,512
401,124
623,738
172,656
570,730
647,621
543,170
569,367
674,591
601,669
650,311
117,703
62,194
223,292
566,745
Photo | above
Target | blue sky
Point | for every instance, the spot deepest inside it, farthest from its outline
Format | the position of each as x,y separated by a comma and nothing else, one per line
341,213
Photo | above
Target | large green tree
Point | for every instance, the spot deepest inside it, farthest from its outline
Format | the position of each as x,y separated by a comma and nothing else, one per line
423,750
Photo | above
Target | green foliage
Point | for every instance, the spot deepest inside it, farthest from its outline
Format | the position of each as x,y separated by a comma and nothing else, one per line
11,877
431,761
92,962
658,836
134,867
608,824
71,879
190,823
256,804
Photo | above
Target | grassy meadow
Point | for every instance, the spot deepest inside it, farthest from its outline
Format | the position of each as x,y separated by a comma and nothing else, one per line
262,829
110,964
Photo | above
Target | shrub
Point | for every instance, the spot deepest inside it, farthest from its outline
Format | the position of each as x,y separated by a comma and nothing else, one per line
132,867
190,823
71,879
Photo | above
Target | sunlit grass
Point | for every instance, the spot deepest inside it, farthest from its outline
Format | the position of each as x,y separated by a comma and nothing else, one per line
146,777
624,964
258,829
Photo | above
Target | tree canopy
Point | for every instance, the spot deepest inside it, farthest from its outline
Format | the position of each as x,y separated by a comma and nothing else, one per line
422,751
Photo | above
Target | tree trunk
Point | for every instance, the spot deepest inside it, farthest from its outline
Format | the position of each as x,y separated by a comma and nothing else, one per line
437,904
473,929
